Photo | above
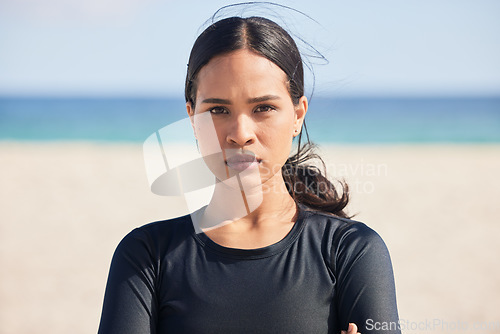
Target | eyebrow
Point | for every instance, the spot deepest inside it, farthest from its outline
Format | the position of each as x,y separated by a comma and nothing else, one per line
252,100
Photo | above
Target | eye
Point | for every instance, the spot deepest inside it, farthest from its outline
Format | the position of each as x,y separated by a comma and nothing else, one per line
218,110
265,108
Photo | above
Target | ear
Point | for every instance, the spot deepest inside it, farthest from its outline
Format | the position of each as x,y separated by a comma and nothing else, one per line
300,114
190,111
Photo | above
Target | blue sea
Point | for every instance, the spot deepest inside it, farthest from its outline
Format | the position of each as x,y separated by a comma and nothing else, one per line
339,120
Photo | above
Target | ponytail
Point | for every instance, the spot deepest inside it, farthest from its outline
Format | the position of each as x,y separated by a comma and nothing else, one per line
307,185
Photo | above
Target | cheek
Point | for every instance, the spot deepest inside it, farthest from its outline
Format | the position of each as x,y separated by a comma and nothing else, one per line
280,131
208,143
206,133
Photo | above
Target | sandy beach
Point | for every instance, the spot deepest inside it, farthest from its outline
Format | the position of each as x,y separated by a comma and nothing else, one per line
65,207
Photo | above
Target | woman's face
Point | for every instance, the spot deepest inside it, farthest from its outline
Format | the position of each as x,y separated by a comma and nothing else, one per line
245,96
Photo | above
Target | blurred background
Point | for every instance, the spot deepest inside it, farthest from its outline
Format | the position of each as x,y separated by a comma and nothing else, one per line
407,110
397,71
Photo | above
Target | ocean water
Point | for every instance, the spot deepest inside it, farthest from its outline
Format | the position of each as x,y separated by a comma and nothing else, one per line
353,120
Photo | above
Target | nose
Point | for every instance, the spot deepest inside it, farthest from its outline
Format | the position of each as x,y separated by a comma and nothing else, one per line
241,131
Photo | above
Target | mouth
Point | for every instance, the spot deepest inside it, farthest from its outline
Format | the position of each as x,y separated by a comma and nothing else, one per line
241,161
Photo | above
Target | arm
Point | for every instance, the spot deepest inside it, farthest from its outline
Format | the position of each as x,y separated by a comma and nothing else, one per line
129,301
365,281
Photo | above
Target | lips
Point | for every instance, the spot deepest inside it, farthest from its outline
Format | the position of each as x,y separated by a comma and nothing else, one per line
240,162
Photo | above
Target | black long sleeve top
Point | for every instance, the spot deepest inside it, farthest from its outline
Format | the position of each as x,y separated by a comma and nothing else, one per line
326,272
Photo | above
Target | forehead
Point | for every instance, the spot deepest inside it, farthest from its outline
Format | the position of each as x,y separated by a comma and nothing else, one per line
241,70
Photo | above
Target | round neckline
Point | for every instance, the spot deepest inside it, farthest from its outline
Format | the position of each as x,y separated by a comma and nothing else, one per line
254,253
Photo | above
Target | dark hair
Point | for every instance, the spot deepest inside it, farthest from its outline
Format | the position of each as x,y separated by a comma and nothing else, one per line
305,183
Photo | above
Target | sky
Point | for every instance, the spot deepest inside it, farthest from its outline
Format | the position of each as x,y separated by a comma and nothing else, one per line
140,48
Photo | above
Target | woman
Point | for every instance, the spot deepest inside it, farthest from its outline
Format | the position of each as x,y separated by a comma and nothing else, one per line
273,251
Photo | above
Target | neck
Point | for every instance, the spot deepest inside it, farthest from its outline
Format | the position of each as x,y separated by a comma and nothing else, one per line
246,201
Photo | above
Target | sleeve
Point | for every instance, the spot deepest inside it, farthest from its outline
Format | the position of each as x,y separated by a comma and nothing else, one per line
366,292
130,298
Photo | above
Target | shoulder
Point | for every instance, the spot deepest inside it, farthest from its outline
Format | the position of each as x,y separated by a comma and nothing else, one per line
153,236
345,236
340,228
169,226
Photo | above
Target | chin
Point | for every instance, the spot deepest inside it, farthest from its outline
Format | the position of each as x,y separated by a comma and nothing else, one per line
248,180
